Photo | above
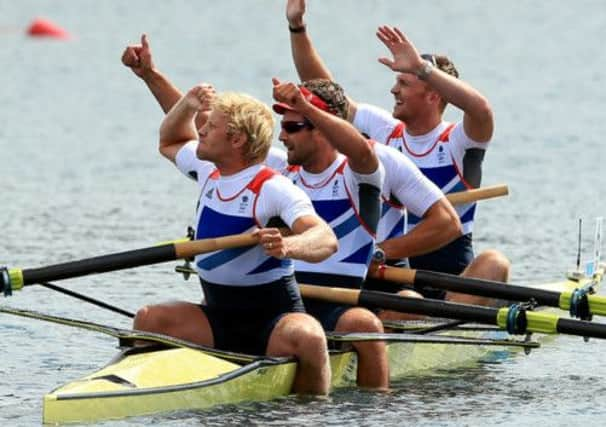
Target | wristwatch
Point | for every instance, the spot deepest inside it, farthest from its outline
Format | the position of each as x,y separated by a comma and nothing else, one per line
424,72
379,256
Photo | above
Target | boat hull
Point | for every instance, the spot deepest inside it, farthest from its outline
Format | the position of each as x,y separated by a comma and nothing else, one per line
148,382
166,380
172,379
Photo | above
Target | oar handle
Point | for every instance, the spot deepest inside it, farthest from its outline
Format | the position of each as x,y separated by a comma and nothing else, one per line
14,278
406,276
338,295
476,194
194,247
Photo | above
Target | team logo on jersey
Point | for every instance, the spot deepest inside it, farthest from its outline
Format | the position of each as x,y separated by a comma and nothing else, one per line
209,194
335,189
441,154
243,204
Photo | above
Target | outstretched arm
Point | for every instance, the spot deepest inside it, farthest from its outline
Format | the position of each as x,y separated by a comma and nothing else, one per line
178,126
339,133
307,60
478,120
139,59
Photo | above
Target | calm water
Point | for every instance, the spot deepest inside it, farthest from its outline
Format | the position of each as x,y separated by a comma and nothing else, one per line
81,176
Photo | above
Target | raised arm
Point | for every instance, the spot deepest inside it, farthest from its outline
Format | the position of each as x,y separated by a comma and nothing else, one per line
306,58
339,133
478,120
178,126
307,61
139,59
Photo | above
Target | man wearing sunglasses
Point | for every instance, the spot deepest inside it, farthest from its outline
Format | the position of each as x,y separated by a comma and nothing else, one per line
449,154
338,169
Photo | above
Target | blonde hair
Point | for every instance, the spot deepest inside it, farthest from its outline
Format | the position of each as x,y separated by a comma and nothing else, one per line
252,118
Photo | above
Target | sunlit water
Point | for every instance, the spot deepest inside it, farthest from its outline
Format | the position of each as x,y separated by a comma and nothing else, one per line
81,176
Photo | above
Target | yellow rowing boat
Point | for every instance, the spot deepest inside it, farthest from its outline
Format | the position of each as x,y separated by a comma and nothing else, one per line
143,381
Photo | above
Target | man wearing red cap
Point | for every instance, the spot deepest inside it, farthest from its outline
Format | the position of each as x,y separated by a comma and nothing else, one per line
449,154
336,166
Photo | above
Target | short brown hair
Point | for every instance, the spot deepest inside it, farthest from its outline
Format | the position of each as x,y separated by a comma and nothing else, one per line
330,92
442,62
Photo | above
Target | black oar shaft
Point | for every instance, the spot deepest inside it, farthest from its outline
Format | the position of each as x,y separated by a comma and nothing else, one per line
582,328
485,288
100,264
515,319
428,307
13,279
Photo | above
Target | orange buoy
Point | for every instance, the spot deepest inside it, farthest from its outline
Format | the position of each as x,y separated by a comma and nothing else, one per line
41,27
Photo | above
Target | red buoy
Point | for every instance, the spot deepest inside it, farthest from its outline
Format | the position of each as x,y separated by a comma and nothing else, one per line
41,27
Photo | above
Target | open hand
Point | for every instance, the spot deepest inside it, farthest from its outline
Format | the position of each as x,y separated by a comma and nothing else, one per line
406,58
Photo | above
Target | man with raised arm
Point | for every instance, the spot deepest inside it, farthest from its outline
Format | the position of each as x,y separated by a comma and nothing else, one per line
138,57
252,302
335,165
449,154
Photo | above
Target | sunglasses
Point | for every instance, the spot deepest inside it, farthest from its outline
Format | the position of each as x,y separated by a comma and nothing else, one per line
294,127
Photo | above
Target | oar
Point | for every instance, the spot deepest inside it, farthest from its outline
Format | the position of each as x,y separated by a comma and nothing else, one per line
512,319
578,300
15,278
427,339
476,194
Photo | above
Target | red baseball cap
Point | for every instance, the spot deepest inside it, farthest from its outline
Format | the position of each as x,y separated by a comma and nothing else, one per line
312,98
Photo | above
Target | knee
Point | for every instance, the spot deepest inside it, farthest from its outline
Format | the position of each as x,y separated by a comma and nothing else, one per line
143,314
359,320
315,338
307,336
497,261
496,258
147,318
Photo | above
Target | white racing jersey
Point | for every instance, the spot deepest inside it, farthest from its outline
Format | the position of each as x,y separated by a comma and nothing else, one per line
350,203
405,189
446,155
240,203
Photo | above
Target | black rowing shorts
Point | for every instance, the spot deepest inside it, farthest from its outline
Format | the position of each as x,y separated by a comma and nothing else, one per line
242,318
